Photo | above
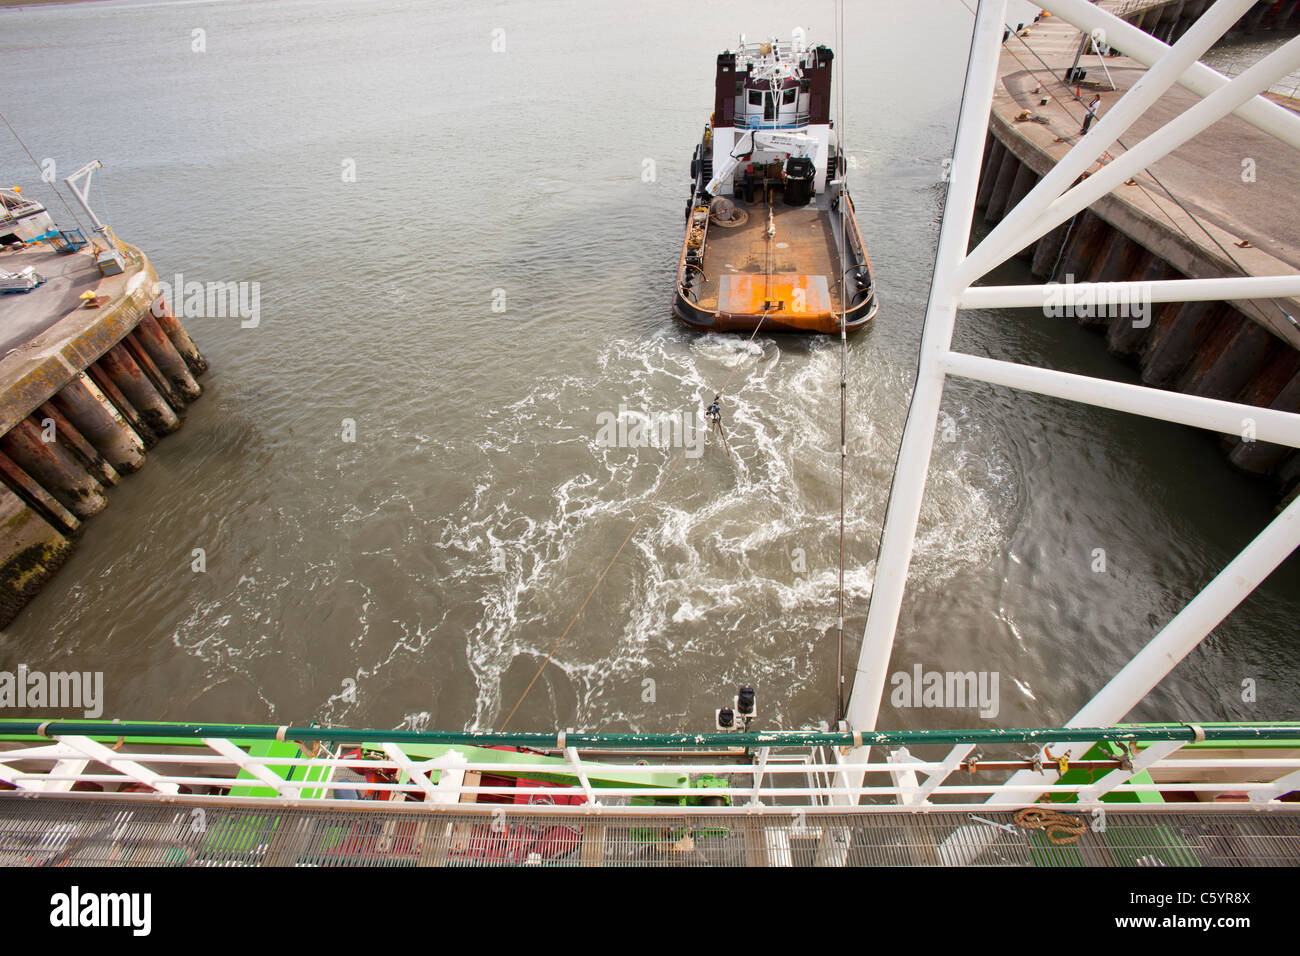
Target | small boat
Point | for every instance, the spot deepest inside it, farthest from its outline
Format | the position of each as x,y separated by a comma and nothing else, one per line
22,219
772,241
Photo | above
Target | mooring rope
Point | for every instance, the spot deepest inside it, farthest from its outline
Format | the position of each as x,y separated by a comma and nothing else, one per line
1060,829
844,357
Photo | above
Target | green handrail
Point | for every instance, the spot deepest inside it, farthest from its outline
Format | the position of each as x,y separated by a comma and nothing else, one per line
1137,733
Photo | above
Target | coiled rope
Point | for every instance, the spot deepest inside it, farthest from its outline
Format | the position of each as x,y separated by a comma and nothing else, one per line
1061,829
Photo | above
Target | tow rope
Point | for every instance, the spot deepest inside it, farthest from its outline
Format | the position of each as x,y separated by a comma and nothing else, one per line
1060,829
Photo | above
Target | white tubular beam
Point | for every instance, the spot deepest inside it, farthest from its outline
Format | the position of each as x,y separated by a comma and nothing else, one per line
1229,418
1281,786
452,767
45,752
1005,239
70,768
918,434
413,773
1130,293
758,776
1154,752
1164,140
129,768
937,777
571,754
1177,639
905,779
1263,114
79,183
258,770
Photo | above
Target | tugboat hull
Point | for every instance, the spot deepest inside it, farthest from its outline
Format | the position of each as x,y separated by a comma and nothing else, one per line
772,239
741,277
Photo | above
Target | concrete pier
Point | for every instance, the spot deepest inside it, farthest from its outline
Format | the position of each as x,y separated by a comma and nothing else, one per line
84,391
1217,222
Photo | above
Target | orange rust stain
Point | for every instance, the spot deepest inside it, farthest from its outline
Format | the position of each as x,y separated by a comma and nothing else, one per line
790,296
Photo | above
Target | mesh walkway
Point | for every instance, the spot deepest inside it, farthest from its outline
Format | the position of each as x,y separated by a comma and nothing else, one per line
105,832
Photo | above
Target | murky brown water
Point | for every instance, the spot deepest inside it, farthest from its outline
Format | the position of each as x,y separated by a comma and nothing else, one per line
430,564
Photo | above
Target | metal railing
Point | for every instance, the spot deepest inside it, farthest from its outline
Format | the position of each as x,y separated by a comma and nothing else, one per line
773,772
757,122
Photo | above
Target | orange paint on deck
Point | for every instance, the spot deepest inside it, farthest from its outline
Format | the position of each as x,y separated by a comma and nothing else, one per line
790,296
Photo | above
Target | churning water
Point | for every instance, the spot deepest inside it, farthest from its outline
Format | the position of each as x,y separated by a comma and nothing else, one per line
419,574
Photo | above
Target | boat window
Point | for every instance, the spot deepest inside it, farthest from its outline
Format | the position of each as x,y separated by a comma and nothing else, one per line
755,97
788,97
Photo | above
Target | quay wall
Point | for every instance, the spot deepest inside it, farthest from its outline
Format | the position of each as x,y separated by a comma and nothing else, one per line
80,406
1168,20
1213,349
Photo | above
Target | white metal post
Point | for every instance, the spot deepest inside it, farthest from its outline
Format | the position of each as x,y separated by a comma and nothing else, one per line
1153,753
571,754
421,779
110,759
1229,418
918,434
1117,294
260,771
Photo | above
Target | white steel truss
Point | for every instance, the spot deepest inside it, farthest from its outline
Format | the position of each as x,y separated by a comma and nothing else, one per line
1052,201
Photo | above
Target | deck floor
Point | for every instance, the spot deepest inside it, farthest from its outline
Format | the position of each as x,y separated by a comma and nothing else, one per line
804,245
109,832
25,315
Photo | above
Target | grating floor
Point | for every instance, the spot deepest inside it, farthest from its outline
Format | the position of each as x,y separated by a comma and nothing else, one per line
110,833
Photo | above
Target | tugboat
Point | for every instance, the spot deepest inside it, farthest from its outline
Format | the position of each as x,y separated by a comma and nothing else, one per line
772,241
